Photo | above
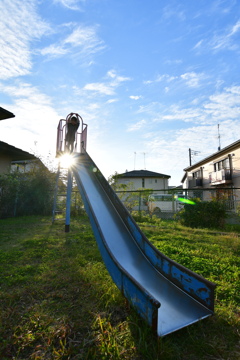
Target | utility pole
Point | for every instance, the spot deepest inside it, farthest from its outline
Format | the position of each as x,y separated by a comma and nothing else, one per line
192,152
190,157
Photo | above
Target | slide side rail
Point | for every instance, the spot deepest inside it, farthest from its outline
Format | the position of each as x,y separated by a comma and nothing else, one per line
191,283
143,302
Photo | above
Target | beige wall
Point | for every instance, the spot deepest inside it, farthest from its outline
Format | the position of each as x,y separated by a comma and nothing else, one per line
149,183
207,168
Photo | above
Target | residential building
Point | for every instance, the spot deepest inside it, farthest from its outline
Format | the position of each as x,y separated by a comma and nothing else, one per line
12,158
217,175
5,114
140,179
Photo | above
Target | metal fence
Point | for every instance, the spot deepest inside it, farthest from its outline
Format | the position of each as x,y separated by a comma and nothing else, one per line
165,203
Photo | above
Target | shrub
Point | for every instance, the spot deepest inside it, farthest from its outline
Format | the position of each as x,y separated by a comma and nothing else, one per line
142,217
204,214
26,193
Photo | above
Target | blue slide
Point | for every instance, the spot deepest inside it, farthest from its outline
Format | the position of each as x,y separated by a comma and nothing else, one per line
167,295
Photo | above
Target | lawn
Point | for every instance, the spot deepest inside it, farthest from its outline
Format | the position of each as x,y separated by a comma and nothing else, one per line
57,300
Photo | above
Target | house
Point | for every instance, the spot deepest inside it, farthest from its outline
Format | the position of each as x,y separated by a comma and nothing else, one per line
140,179
12,158
5,114
216,175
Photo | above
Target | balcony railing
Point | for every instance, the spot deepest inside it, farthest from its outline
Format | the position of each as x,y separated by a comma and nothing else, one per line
195,183
223,176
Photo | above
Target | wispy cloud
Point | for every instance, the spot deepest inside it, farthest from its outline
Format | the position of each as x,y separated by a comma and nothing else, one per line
220,41
161,78
225,40
113,81
104,89
191,79
170,12
83,40
20,25
137,126
220,106
71,4
36,118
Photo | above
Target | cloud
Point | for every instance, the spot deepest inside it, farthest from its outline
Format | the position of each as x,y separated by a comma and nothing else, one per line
168,150
225,105
108,87
168,12
36,119
117,79
137,126
135,97
83,41
104,89
20,25
160,78
71,4
191,79
221,106
223,41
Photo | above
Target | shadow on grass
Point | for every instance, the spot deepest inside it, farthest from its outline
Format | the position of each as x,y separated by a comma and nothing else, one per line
58,302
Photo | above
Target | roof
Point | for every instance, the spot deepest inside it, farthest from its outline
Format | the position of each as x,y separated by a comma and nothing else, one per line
15,153
5,114
215,155
143,174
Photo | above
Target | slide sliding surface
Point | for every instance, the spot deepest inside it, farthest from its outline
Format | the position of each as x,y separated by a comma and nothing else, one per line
167,295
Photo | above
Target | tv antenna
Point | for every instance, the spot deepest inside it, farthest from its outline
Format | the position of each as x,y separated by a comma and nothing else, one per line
135,154
219,137
144,160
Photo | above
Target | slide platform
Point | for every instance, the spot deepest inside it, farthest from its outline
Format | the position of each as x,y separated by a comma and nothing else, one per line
167,295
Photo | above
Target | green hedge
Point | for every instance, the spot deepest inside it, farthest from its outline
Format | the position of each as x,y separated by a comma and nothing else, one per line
204,214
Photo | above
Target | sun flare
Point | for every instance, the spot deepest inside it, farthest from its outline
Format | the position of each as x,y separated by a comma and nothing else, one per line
67,160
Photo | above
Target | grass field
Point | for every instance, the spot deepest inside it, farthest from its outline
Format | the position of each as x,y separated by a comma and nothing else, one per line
57,300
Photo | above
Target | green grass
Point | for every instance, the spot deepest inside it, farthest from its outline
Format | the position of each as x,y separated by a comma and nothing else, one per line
57,300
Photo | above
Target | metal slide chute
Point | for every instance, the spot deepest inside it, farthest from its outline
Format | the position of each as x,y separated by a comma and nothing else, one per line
167,295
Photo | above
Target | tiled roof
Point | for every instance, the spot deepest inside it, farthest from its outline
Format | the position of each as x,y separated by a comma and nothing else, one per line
221,152
143,174
15,153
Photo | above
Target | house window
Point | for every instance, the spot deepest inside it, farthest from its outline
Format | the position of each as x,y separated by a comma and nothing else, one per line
155,181
143,183
197,174
223,164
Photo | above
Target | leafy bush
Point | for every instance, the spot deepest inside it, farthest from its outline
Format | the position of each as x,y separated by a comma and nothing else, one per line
26,193
204,214
142,217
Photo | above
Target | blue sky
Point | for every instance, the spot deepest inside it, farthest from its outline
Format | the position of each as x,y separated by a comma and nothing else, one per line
150,78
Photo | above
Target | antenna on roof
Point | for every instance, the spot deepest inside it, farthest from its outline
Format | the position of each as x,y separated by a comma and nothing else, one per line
144,160
219,143
134,159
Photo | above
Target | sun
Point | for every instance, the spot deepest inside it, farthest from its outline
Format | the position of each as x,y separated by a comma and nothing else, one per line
67,160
